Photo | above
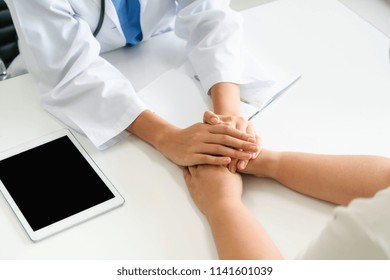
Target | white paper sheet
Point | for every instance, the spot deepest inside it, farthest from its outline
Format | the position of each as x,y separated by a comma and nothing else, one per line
180,99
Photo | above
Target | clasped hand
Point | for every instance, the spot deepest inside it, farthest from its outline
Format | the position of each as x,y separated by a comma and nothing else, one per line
239,123
203,143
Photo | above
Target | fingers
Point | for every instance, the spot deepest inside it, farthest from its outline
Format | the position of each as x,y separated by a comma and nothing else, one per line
241,137
233,165
218,144
237,129
258,140
232,132
209,159
236,163
186,173
225,151
250,129
243,163
231,142
211,118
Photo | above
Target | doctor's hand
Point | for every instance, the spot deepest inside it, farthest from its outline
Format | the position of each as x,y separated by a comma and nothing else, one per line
198,144
239,123
207,144
213,188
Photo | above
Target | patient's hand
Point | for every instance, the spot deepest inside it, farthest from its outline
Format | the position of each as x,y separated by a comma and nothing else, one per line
213,187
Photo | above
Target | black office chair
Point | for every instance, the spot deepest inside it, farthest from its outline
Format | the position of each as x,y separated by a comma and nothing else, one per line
8,38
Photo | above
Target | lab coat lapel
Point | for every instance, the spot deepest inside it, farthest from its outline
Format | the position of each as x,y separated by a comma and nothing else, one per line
111,13
110,35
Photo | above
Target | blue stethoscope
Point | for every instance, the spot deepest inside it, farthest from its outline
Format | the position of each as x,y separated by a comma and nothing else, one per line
101,18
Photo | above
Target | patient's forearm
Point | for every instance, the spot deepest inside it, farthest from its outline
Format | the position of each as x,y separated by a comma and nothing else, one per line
238,235
334,178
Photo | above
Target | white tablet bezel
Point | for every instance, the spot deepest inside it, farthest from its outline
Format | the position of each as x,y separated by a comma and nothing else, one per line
75,219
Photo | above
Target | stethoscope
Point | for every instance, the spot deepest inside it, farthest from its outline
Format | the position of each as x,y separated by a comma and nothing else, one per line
101,18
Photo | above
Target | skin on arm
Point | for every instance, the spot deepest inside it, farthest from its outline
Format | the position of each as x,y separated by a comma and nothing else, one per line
226,99
237,234
334,178
226,106
198,144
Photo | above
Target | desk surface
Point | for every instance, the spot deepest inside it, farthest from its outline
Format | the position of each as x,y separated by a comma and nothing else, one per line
340,105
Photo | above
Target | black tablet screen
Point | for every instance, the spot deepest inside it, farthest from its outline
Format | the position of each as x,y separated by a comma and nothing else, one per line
52,182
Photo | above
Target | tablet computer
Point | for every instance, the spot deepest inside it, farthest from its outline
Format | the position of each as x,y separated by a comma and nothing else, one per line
51,184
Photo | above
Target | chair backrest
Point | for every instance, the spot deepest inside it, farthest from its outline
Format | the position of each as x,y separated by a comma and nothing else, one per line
8,38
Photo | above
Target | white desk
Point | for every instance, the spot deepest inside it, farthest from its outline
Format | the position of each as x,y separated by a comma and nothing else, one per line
340,105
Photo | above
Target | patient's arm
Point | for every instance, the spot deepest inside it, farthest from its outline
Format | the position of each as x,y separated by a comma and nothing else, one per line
334,178
237,234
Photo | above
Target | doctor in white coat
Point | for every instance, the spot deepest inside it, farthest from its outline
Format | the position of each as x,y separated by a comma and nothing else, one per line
90,95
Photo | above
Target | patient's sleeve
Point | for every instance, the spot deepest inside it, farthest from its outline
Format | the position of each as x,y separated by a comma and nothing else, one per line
359,231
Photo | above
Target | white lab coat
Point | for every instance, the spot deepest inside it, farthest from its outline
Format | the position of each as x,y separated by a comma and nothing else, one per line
85,91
